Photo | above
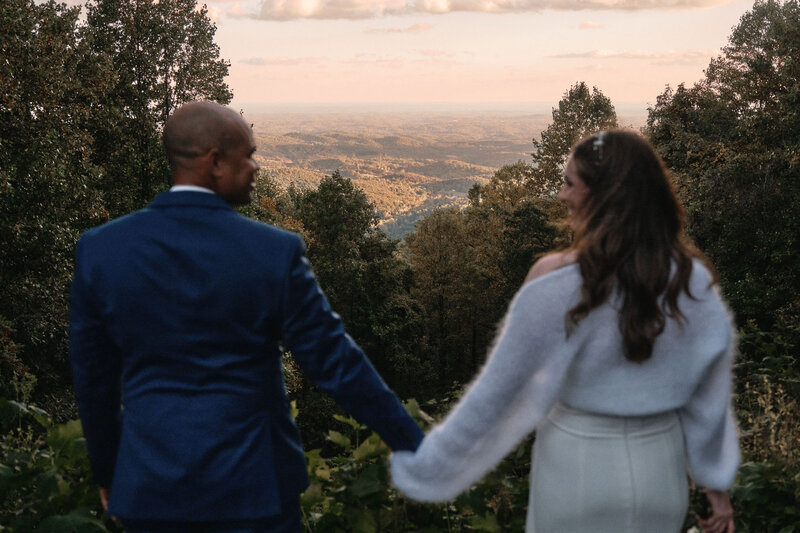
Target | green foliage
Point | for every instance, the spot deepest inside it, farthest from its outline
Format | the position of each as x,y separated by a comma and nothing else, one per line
365,279
468,264
48,81
580,113
363,276
162,54
351,491
733,142
80,113
45,479
11,366
441,260
768,495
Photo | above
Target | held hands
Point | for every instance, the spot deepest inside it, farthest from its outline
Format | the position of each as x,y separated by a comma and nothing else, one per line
721,519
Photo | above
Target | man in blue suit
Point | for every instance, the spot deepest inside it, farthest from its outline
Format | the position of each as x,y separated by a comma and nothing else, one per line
179,313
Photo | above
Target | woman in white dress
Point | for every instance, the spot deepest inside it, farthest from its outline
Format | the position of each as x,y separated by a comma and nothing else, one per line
618,351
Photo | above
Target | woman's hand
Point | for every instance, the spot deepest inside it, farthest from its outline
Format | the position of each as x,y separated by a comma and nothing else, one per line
721,519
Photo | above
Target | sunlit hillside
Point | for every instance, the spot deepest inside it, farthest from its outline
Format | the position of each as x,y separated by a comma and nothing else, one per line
407,163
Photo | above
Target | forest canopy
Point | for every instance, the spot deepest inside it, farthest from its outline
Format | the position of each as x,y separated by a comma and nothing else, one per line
82,105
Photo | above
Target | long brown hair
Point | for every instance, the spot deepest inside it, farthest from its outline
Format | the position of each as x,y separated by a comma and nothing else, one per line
630,237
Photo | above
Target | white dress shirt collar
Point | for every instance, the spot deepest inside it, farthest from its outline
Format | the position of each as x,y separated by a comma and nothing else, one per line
195,188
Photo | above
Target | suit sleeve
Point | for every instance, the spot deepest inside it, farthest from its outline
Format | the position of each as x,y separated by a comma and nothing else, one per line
96,374
334,362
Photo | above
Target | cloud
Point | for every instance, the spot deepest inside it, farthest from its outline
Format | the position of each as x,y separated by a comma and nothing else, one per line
237,11
280,61
375,60
588,25
366,9
684,57
415,28
437,54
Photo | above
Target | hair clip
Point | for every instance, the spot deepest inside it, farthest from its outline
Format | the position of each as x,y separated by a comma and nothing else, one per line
597,146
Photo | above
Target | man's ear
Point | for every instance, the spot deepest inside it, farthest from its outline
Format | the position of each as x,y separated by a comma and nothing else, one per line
214,161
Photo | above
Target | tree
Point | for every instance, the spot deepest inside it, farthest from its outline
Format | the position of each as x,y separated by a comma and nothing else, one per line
580,113
440,259
507,188
733,143
49,81
162,55
80,113
364,278
508,228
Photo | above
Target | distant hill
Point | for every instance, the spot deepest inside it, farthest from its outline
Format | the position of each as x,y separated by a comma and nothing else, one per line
407,163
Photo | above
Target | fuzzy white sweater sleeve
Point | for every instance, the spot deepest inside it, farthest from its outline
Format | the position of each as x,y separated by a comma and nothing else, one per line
709,427
516,389
530,369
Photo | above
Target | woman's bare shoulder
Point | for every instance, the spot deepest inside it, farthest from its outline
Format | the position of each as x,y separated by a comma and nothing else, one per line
551,262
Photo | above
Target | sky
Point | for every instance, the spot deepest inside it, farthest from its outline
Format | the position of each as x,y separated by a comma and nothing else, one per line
411,52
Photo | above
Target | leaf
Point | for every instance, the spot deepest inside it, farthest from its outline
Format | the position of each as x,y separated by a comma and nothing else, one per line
488,522
362,521
416,412
11,410
312,495
337,438
349,420
6,476
315,462
50,484
7,415
367,482
40,415
67,440
78,521
370,448
386,517
323,472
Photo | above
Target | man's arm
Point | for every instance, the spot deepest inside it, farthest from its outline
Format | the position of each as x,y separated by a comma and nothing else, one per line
96,374
334,362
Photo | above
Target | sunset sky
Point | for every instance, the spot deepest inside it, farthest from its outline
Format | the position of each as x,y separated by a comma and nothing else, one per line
489,51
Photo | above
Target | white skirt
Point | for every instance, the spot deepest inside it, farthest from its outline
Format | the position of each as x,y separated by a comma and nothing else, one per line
596,473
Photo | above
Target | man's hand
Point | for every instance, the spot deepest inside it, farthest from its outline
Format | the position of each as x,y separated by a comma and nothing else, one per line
104,497
721,519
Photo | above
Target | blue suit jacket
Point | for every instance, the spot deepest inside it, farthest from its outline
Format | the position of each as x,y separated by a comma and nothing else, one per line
177,312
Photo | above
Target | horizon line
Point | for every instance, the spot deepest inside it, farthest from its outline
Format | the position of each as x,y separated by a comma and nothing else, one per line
432,106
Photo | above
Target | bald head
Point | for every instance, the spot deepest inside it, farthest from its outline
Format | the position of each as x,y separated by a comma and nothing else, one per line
198,127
